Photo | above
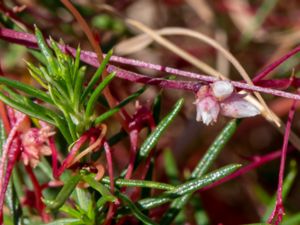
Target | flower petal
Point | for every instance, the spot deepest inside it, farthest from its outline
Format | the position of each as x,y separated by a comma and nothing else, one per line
237,107
207,110
222,89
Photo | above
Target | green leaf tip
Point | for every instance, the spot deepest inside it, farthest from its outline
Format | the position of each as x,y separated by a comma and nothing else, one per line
42,43
64,193
96,93
153,138
97,75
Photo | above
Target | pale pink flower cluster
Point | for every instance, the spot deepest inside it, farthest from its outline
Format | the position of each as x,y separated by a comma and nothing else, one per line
221,98
35,143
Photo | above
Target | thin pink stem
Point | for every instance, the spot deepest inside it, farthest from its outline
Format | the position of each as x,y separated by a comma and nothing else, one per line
278,211
143,172
109,165
279,83
112,205
12,154
275,64
193,86
7,146
4,117
38,195
161,82
110,214
90,58
11,115
71,155
68,160
133,150
54,157
21,38
133,135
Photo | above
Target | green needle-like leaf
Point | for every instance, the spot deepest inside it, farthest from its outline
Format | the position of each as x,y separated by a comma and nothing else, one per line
63,127
95,95
99,187
34,110
214,150
67,221
96,76
117,108
189,187
153,138
42,44
79,79
201,169
61,57
64,193
13,95
157,108
26,89
70,211
52,66
83,198
139,183
198,183
64,67
170,166
38,55
76,63
37,74
135,210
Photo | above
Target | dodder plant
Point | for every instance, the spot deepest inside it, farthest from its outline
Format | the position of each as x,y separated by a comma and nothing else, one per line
67,105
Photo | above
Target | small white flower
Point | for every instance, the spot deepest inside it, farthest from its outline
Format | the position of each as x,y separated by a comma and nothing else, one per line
207,110
237,107
220,97
222,89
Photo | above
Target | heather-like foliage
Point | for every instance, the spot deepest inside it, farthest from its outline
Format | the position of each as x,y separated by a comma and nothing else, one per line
71,109
78,146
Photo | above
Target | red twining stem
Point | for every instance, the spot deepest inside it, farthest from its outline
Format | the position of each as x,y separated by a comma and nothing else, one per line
38,194
278,212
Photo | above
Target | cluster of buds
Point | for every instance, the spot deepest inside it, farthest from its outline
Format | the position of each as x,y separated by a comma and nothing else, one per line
35,142
220,97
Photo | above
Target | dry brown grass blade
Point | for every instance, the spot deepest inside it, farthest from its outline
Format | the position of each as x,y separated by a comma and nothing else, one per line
167,44
222,63
198,63
266,112
141,41
132,45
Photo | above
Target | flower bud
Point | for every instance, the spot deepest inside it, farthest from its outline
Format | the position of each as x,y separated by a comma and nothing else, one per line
237,107
222,89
